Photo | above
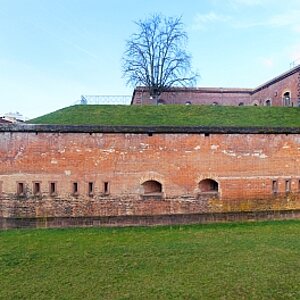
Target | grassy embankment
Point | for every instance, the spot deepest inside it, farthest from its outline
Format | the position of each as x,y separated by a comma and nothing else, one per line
219,261
177,115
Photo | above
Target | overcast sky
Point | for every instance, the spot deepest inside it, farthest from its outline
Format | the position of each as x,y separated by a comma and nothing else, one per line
53,51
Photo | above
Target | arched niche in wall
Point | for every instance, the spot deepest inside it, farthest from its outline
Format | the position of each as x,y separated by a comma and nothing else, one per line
152,189
208,186
208,189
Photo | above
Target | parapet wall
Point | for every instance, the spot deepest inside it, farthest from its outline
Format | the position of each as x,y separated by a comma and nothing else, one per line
95,171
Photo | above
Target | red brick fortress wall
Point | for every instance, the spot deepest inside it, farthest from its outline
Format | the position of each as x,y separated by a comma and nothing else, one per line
271,93
275,90
204,96
52,172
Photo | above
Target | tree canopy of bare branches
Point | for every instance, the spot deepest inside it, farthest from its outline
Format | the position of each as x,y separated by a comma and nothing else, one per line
155,56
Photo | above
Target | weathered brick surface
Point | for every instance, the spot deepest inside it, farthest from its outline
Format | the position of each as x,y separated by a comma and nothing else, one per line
132,220
272,91
275,91
207,96
243,165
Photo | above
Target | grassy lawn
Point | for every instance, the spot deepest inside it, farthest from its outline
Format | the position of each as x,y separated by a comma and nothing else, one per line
218,261
179,115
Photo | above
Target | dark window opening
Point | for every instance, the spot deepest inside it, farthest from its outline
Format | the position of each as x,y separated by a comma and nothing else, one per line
268,103
274,186
161,102
53,189
150,134
241,104
152,187
75,188
91,188
287,99
287,186
206,134
36,188
20,189
106,188
188,103
215,103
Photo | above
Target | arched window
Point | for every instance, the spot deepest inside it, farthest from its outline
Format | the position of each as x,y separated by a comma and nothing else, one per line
152,187
188,103
241,104
208,185
286,99
215,103
268,103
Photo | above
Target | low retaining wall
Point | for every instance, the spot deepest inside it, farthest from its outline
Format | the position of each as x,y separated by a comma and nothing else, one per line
120,221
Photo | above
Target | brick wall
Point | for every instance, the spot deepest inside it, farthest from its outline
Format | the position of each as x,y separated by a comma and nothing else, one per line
272,91
275,91
252,172
195,96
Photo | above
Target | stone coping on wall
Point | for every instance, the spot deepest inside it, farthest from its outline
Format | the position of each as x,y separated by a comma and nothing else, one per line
38,128
135,220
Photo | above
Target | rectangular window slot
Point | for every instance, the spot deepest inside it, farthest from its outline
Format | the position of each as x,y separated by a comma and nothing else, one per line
287,186
75,188
53,189
91,188
20,189
206,134
106,188
36,188
274,186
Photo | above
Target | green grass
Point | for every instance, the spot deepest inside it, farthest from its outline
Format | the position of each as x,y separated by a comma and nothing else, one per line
178,115
219,261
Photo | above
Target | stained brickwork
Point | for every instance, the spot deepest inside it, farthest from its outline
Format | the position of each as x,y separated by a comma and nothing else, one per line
269,93
188,172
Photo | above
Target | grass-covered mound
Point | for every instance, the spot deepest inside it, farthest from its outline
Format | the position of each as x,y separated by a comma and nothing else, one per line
177,115
219,261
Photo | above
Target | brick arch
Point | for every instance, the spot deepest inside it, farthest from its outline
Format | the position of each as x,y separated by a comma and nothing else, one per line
208,185
268,102
151,176
151,187
286,98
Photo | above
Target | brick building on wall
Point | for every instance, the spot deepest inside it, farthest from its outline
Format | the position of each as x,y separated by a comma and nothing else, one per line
54,171
283,90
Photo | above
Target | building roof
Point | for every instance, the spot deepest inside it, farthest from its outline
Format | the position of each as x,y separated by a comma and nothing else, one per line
276,79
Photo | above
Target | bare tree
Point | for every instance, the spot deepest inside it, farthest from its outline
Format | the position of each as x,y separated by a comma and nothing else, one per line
155,56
